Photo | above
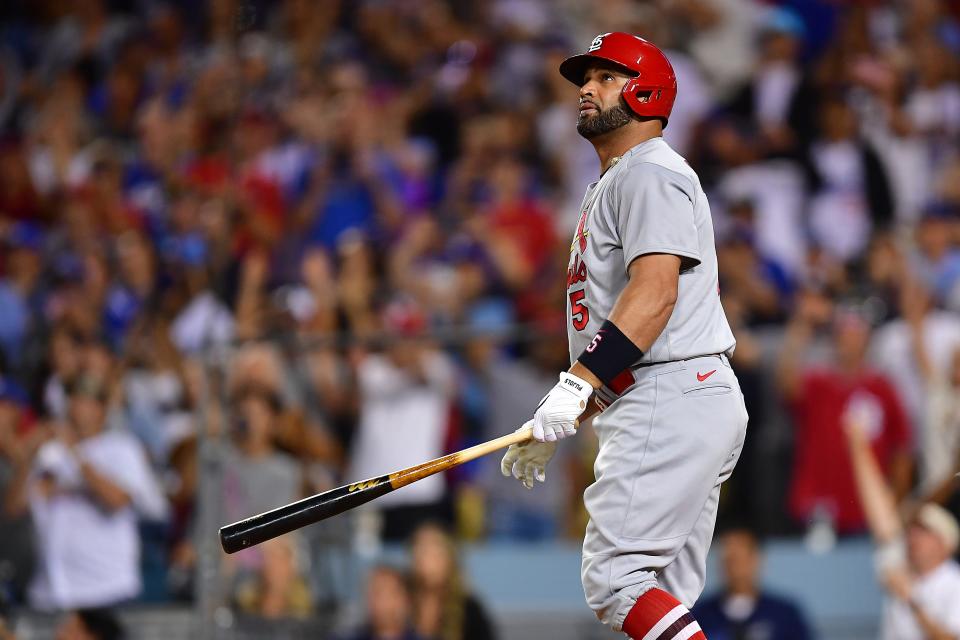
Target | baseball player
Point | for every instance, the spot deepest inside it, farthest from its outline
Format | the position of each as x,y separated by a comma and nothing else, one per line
649,344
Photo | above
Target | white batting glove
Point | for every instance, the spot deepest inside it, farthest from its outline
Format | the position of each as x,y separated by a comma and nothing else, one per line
528,462
556,417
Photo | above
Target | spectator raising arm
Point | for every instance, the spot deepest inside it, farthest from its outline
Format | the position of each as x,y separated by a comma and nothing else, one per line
914,305
942,491
940,460
812,309
15,498
20,452
876,497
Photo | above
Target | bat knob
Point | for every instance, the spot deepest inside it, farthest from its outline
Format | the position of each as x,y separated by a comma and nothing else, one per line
232,542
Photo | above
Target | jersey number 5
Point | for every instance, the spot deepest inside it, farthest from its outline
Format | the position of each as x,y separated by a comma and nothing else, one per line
579,313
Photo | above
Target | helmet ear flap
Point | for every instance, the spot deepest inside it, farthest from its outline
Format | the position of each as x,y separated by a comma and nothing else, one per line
635,95
644,100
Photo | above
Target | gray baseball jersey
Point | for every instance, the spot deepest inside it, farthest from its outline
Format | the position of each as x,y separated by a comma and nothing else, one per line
650,201
673,436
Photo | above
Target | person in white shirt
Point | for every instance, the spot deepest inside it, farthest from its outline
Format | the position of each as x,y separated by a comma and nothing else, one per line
85,490
405,399
914,562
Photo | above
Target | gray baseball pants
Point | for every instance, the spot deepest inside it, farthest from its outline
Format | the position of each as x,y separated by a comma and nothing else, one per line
666,446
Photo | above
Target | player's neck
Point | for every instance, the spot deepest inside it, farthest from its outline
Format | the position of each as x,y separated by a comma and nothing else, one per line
612,145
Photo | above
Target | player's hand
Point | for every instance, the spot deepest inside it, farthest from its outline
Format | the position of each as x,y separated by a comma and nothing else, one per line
556,417
528,462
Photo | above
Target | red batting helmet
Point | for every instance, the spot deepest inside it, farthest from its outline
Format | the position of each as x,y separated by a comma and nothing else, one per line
652,90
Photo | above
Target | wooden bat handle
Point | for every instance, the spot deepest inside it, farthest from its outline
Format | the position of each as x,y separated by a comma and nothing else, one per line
412,474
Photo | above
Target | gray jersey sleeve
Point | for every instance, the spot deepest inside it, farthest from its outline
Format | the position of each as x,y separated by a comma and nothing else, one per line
655,209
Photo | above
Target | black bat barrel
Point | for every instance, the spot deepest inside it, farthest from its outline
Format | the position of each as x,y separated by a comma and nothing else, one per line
271,524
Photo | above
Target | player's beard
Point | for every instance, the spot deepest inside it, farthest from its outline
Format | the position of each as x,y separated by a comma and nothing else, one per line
603,122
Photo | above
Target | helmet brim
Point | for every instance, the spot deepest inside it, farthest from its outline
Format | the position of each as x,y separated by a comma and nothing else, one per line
575,67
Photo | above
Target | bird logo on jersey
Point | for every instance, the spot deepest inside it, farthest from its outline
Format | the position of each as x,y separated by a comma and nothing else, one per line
577,270
580,237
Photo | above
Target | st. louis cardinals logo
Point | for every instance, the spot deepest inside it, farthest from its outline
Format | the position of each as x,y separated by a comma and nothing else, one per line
597,42
580,237
577,273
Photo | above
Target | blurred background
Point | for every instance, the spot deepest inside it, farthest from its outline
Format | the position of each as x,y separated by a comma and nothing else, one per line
253,250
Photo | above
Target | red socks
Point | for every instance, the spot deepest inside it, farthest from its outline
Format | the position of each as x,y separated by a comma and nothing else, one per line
657,615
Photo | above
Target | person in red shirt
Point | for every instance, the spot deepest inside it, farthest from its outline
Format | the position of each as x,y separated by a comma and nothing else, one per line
821,399
517,235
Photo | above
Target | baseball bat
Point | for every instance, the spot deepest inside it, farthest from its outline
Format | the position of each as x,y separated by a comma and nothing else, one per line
321,506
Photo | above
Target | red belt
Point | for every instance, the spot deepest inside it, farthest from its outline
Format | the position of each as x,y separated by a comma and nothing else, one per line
626,379
622,382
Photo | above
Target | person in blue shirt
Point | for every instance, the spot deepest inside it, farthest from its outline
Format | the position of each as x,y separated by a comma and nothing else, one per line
742,610
21,268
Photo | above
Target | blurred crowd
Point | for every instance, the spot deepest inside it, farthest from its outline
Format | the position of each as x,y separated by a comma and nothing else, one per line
331,238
